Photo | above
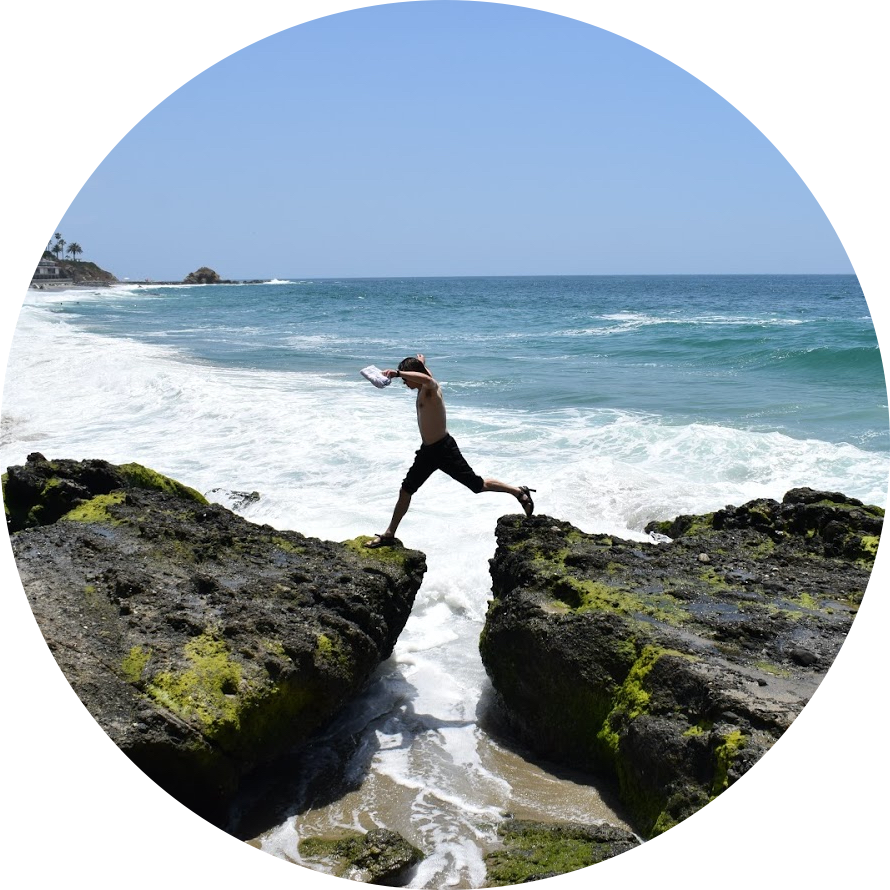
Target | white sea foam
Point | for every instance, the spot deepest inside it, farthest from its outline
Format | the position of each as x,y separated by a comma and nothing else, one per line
327,456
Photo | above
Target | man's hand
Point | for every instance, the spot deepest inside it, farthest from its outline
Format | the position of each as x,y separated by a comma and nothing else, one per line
390,373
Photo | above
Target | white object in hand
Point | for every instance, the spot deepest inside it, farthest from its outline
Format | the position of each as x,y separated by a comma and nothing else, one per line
376,376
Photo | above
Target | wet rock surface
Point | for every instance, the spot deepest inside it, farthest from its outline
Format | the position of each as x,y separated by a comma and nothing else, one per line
380,856
672,667
203,644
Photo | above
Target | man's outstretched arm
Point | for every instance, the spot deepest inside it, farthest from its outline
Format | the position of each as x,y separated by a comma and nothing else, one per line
425,380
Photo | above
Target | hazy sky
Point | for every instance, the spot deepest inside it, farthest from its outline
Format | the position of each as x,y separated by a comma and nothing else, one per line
445,138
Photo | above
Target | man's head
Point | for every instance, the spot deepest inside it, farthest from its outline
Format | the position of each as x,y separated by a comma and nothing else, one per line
412,363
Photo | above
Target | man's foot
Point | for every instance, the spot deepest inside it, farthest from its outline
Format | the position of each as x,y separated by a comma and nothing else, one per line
526,499
381,541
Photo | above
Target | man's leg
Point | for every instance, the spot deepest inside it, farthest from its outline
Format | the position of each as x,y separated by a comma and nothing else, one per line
398,513
494,485
385,538
521,494
456,466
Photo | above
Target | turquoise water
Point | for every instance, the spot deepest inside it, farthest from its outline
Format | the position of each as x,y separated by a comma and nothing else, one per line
796,354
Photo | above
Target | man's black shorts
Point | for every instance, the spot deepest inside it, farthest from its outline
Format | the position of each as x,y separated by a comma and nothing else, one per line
443,455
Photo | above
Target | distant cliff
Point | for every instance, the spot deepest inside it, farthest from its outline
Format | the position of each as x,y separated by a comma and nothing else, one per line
81,271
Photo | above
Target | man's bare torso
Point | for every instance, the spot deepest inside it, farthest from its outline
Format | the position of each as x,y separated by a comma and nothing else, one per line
431,414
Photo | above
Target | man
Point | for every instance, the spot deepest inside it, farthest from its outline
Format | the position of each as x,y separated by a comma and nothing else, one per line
438,450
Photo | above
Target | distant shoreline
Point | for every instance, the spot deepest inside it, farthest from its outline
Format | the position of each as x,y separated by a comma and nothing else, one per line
69,285
91,285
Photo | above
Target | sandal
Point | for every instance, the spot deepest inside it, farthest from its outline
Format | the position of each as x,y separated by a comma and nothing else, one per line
380,541
526,499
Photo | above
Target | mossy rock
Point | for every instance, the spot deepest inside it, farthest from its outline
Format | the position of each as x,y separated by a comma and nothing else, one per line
378,857
536,850
668,669
204,275
43,491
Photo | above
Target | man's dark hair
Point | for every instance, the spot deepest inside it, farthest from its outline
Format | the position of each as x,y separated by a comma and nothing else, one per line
413,364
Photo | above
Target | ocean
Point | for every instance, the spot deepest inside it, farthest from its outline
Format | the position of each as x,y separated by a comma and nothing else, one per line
620,399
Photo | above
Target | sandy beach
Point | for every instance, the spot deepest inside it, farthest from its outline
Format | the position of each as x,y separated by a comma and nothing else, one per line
69,285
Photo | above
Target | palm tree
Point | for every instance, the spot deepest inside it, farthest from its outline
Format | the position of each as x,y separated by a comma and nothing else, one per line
59,246
74,249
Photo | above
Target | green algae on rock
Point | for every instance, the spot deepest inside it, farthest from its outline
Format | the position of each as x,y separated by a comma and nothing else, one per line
42,491
536,850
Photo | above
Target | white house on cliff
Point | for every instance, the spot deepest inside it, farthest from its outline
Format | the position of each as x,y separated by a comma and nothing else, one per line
47,270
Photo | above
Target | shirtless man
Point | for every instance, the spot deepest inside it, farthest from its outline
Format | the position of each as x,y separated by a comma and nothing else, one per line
438,450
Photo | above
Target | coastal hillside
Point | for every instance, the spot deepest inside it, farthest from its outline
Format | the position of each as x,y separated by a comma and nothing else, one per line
80,271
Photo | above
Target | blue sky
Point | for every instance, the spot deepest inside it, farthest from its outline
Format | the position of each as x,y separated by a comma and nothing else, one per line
447,138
